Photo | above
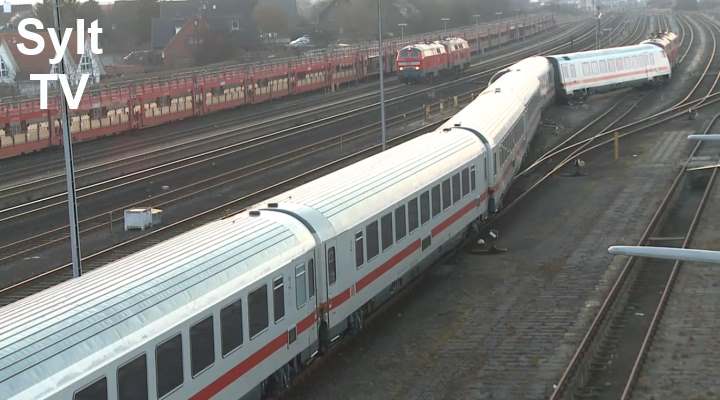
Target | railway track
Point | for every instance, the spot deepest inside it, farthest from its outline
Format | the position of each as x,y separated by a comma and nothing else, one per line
105,218
606,128
228,131
608,360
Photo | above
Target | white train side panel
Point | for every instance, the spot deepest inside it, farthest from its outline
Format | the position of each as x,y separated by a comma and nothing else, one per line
580,73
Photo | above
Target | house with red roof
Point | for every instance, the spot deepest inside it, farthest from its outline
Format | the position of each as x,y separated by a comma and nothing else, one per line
16,67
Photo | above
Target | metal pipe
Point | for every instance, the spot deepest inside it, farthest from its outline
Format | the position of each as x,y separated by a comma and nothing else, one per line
69,164
382,77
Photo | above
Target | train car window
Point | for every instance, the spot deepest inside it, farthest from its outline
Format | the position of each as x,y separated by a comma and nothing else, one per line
611,65
231,327
585,69
278,298
456,188
603,66
572,70
300,286
436,200
359,250
373,247
132,381
386,230
258,311
95,391
465,181
424,207
594,67
400,223
446,197
413,221
202,345
169,364
332,270
311,278
472,177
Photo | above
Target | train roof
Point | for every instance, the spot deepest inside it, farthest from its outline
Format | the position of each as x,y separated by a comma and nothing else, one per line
506,98
354,194
616,51
424,46
51,338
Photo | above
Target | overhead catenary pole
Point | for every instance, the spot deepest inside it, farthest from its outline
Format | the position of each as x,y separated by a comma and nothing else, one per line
382,77
69,164
402,26
444,20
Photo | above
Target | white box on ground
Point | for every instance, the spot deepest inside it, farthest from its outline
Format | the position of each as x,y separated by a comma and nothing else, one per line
142,218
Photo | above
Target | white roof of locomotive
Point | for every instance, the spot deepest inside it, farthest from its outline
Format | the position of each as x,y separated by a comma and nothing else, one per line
50,339
354,194
605,53
425,46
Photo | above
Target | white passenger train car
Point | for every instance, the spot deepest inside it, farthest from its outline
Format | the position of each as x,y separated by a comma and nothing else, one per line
238,305
208,314
598,70
387,215
505,117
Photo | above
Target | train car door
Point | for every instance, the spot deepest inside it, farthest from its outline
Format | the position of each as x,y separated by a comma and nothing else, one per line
330,287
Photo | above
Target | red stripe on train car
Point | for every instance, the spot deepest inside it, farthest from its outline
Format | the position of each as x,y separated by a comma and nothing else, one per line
387,265
340,298
241,369
306,323
454,217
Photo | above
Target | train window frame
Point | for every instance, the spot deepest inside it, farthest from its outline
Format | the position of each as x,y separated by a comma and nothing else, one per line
446,194
232,306
424,207
311,278
300,286
359,249
465,179
594,67
264,288
127,364
456,189
196,370
436,201
603,67
473,179
400,222
332,265
585,69
158,368
413,217
278,298
374,240
102,379
386,231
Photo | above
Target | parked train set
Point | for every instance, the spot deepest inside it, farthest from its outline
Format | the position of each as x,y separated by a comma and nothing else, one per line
424,61
118,107
241,305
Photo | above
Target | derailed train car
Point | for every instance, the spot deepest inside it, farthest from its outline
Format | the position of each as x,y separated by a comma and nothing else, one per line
240,306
